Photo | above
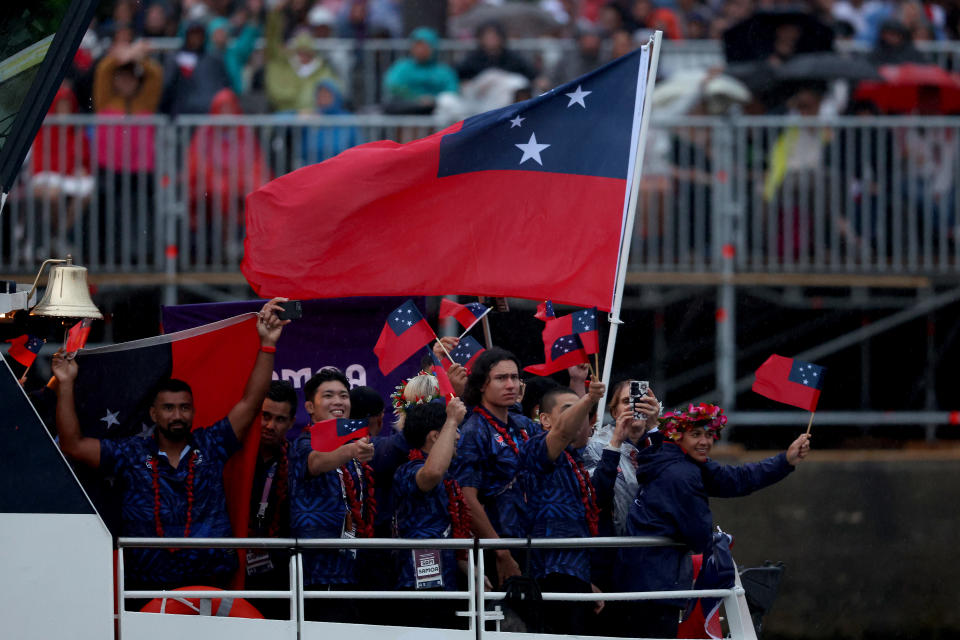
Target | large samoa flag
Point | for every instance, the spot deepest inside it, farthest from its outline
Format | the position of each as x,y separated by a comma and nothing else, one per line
114,385
525,201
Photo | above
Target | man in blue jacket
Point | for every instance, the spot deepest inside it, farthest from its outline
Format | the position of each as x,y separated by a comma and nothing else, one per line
676,477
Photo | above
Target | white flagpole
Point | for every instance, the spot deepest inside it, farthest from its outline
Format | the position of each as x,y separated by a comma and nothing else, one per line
627,237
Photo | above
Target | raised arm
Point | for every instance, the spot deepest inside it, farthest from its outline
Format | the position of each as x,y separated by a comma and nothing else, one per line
73,443
571,421
437,463
269,328
731,481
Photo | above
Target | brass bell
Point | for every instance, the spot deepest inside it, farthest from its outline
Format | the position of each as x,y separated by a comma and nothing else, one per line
67,294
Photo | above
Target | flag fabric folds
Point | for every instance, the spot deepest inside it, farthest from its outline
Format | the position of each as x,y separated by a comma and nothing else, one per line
790,381
584,324
545,311
404,333
466,352
444,386
24,349
562,347
466,314
77,336
328,435
115,384
559,163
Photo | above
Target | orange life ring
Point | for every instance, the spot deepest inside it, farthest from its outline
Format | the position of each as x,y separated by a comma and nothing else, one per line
239,608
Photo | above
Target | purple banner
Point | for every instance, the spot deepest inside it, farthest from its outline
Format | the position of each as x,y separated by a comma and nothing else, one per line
337,332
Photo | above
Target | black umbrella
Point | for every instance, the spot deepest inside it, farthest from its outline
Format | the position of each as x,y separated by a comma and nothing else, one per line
754,37
826,66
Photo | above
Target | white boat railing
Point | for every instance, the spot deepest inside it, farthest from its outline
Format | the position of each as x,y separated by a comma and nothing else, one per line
476,598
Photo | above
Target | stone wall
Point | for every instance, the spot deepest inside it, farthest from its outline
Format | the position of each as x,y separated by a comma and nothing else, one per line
868,540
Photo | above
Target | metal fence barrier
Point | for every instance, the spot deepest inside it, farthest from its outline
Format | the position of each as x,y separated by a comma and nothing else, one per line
845,195
475,598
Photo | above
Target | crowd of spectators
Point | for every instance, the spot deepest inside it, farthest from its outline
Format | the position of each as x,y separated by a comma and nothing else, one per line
267,52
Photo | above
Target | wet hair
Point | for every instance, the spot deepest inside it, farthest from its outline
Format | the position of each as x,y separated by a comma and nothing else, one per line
365,402
283,391
481,371
326,374
173,385
551,398
421,420
533,393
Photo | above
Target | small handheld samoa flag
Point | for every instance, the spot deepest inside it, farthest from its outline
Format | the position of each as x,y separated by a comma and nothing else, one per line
328,435
545,311
77,336
562,348
24,349
466,314
466,352
404,333
790,381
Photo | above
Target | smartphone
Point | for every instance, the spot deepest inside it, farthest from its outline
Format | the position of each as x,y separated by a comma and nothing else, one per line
292,310
638,389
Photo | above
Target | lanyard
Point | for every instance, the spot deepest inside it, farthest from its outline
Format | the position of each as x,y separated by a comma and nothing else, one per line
265,498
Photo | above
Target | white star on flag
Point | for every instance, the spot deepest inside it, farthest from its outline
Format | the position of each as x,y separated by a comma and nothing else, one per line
577,97
146,430
531,149
516,122
110,418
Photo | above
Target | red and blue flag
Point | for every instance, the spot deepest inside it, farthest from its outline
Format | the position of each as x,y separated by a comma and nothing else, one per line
404,333
790,381
466,352
24,349
560,163
328,435
466,314
562,348
545,311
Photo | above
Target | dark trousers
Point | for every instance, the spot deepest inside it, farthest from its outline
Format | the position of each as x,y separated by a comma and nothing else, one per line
564,617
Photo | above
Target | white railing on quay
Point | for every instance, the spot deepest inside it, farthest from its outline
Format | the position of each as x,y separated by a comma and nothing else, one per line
475,597
782,195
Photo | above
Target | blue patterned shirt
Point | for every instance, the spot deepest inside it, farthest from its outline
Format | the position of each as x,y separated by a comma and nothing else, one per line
556,509
486,462
421,515
129,460
318,509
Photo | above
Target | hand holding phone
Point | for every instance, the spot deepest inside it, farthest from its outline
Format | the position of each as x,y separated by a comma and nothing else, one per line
292,310
638,389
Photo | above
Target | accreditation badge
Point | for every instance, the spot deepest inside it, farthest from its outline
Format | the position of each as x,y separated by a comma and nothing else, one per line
258,562
428,567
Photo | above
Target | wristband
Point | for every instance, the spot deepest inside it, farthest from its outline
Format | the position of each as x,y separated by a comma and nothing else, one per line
266,349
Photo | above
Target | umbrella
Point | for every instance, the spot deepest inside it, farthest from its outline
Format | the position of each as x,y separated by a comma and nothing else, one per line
900,90
684,88
753,38
826,65
520,19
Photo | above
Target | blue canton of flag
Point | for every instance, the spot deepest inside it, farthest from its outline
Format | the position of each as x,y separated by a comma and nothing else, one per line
476,308
585,321
564,345
404,317
466,351
345,426
34,344
577,128
807,374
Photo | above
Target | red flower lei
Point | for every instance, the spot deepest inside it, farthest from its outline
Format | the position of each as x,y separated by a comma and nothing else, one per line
155,472
588,495
362,508
457,507
502,431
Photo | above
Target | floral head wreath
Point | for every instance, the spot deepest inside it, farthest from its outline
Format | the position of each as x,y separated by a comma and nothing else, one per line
705,416
400,403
